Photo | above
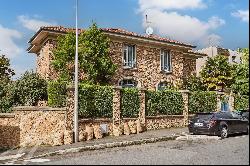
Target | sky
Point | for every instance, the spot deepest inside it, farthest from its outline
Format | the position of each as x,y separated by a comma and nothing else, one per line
202,23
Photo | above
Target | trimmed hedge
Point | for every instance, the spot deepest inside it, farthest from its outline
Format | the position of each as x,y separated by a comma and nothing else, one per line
164,103
95,101
241,102
202,101
130,103
57,94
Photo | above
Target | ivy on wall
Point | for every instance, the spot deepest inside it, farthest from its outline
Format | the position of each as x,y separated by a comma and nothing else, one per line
164,103
202,101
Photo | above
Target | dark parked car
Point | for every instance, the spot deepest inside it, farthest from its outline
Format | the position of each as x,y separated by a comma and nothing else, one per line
218,123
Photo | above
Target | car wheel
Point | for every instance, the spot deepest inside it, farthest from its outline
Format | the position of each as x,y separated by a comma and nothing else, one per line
223,132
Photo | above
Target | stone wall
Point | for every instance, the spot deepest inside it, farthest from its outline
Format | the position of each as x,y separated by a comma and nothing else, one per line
33,126
9,131
154,123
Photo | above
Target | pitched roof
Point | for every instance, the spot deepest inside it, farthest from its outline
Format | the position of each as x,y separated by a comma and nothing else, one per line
60,29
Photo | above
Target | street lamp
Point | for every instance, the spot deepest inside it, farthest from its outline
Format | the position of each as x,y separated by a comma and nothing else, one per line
76,81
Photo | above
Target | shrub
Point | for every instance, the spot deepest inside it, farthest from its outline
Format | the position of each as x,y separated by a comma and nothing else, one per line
241,102
57,93
7,97
95,101
130,103
202,101
30,88
164,103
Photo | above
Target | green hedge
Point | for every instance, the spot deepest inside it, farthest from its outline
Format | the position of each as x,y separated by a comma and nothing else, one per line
164,103
202,101
130,104
95,101
241,102
57,94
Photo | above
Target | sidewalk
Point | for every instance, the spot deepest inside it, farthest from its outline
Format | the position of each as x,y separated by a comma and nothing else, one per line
106,142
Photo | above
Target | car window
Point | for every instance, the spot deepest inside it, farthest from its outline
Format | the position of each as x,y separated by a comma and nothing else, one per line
236,115
223,115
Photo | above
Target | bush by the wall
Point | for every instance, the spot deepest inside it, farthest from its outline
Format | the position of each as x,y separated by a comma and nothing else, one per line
95,101
202,101
57,93
241,102
30,88
130,103
164,103
7,97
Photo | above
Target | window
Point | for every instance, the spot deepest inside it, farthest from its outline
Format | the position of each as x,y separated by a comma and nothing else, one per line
129,59
128,83
164,86
166,61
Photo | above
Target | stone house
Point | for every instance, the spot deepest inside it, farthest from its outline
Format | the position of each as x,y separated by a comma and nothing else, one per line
147,61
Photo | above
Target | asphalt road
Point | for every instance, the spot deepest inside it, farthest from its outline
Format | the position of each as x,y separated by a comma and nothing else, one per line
233,150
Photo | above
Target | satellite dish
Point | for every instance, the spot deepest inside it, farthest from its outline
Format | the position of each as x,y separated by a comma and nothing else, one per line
149,31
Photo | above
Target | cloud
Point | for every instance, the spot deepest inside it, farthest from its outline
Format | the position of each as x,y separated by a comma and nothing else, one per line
170,4
179,26
242,14
7,44
212,40
33,24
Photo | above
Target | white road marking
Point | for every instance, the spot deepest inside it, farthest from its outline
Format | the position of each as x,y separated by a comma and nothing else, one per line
11,156
39,160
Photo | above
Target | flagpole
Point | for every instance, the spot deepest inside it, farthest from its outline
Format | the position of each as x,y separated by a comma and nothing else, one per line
76,81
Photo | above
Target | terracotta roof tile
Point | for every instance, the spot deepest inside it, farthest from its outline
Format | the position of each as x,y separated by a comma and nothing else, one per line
114,30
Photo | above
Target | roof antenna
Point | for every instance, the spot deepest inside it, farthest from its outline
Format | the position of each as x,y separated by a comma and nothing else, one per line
149,30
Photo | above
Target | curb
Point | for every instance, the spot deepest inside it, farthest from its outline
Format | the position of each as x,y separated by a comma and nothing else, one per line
104,146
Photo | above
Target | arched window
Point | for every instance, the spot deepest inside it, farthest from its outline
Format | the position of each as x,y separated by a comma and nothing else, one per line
128,83
164,86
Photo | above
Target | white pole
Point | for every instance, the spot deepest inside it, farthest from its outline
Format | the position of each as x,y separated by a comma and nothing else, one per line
76,81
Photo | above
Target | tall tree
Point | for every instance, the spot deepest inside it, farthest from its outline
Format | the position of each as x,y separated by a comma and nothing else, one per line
217,72
241,74
94,59
5,71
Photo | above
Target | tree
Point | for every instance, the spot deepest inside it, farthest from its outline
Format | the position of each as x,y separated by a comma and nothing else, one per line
241,74
194,83
5,71
217,72
94,59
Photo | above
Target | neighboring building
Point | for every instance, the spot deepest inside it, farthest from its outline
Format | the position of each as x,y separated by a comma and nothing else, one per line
147,61
233,56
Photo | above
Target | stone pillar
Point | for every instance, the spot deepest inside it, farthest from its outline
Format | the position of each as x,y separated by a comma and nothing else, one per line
219,96
231,101
117,111
70,108
185,96
142,113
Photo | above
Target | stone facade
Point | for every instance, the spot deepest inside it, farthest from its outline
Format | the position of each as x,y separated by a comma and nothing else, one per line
147,72
44,58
